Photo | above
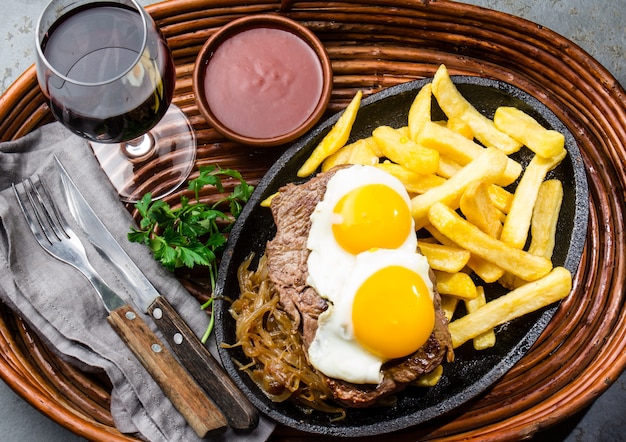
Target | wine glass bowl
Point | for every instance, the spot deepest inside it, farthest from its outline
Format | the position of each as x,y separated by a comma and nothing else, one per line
109,77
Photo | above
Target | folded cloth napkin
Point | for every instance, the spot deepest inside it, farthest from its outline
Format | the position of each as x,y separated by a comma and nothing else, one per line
60,304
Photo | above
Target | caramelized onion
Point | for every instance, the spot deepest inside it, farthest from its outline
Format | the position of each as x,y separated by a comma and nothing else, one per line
266,334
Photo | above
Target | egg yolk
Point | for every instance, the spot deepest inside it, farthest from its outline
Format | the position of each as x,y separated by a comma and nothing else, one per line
393,313
371,216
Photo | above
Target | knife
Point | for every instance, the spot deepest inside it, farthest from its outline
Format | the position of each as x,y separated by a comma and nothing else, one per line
175,382
194,356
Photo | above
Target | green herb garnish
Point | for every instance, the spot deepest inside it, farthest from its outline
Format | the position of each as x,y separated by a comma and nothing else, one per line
194,233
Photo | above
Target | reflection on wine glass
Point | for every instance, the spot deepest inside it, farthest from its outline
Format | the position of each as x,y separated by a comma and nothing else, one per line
109,76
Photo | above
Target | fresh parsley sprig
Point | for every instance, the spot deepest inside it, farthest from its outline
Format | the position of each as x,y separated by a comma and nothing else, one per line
193,233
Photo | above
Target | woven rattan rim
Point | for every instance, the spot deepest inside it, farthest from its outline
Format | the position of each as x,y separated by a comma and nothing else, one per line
373,45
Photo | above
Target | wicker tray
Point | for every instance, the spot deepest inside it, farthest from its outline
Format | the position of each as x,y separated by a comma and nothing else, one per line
375,44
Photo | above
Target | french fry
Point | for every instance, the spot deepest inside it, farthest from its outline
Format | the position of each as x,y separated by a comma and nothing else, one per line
449,143
403,131
359,152
487,271
428,240
517,223
267,202
500,197
414,183
520,221
429,379
419,112
334,139
447,167
545,217
459,126
510,259
445,258
455,105
544,221
486,339
454,145
525,129
489,167
530,297
478,208
457,284
448,305
406,152
509,281
373,145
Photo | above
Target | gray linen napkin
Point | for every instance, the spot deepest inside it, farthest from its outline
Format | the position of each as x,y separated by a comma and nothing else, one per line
61,306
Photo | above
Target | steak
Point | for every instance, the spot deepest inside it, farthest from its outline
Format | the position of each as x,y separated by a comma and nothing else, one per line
287,256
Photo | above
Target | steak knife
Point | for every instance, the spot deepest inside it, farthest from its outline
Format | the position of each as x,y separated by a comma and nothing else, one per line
194,355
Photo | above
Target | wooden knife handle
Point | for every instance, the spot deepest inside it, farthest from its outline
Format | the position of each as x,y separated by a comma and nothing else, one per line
201,364
188,398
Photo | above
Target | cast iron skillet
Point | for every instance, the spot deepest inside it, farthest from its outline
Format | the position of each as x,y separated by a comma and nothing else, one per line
472,372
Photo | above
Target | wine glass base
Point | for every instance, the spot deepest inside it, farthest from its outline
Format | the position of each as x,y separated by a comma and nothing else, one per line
160,168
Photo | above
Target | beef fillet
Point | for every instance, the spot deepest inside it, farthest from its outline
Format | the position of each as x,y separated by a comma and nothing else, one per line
287,266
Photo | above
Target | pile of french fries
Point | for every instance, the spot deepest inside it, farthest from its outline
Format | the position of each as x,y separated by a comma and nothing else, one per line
456,172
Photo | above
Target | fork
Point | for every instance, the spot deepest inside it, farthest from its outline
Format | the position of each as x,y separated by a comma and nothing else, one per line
54,234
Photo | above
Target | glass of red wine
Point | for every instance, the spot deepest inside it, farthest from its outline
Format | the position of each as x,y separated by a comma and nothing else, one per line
109,77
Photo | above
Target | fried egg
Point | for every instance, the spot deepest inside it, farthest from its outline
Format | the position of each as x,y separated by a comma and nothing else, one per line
363,208
364,261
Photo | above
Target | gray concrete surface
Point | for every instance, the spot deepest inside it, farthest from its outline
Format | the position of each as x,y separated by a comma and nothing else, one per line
597,26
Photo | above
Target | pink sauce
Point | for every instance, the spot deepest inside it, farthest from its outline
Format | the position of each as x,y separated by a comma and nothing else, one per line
263,82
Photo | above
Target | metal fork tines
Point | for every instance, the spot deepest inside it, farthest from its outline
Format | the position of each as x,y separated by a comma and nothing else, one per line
54,234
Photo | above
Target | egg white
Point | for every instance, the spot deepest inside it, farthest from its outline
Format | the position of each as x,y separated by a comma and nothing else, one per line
329,265
336,275
334,350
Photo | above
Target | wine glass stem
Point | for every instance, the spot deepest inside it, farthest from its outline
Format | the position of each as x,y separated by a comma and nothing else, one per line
139,149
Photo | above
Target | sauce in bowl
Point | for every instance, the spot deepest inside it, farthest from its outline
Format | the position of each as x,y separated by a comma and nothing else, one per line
263,80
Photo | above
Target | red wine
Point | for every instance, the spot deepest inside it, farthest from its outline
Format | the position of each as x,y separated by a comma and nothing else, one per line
110,95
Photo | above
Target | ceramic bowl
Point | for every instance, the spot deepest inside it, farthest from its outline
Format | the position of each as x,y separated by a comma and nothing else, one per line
262,80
